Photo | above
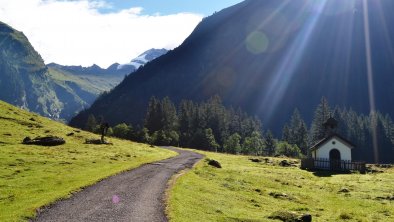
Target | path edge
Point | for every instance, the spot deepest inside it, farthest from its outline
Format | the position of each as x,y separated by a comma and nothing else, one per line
70,195
172,181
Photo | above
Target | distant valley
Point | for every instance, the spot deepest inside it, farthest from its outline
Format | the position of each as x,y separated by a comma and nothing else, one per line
88,83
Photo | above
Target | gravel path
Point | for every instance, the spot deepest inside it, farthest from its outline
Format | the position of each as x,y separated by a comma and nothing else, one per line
136,195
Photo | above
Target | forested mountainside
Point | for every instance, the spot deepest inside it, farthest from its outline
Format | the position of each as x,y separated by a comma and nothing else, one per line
270,57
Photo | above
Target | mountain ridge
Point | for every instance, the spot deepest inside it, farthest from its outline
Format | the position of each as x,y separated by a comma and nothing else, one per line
114,69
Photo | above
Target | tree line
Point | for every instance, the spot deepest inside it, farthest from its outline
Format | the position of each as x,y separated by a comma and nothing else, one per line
206,126
372,135
211,126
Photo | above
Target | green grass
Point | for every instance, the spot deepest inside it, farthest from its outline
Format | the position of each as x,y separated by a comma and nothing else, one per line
244,191
34,176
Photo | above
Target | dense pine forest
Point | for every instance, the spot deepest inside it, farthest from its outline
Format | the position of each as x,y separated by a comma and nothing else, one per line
211,126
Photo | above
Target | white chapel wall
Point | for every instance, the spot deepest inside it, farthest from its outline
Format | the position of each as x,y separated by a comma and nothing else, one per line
324,150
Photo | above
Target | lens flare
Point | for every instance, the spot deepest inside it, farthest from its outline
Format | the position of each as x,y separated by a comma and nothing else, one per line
115,199
257,42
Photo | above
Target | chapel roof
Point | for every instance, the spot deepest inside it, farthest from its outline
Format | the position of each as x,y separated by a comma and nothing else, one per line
323,141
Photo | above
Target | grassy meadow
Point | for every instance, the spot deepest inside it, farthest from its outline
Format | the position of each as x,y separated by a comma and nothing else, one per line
248,191
33,176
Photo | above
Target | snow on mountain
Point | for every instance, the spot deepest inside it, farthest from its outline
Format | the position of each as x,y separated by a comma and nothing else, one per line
116,68
144,58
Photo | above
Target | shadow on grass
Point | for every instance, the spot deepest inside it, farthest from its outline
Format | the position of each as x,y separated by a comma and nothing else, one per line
327,173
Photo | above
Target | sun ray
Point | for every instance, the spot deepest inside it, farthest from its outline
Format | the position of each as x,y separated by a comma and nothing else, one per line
237,48
371,91
285,70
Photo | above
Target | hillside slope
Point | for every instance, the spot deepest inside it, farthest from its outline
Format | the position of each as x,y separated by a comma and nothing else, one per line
26,82
24,79
270,57
33,176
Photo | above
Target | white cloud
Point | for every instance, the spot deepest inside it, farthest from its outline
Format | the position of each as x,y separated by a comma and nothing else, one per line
77,33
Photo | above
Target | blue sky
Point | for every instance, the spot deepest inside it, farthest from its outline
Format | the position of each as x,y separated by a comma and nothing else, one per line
165,7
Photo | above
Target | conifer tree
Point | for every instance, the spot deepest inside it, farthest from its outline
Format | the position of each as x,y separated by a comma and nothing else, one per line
169,118
187,127
91,123
296,133
153,115
381,126
143,135
206,125
286,135
254,144
302,140
232,144
209,141
269,143
322,114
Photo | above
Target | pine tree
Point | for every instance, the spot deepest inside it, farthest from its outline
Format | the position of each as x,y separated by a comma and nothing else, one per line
302,140
384,143
168,114
187,127
216,118
286,135
91,124
254,144
296,133
209,141
173,137
342,128
206,125
232,144
153,115
322,114
143,135
269,144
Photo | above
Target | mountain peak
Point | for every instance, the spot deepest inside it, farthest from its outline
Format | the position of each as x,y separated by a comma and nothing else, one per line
144,58
94,66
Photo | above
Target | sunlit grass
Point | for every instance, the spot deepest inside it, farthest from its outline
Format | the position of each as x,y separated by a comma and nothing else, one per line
240,191
34,176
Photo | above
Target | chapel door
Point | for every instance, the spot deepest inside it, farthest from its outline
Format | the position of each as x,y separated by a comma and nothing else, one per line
335,159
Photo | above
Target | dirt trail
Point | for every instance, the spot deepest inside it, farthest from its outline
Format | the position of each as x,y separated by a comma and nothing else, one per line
136,195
